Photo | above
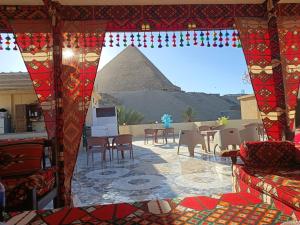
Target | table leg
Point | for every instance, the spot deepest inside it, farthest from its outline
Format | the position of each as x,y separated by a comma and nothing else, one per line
155,135
208,142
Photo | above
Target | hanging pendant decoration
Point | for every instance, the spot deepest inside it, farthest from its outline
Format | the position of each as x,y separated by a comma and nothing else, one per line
226,39
124,40
215,39
15,43
159,41
239,45
152,40
132,39
221,39
145,40
207,39
195,38
187,37
7,42
139,40
111,41
118,40
202,39
174,40
181,39
167,39
1,42
234,39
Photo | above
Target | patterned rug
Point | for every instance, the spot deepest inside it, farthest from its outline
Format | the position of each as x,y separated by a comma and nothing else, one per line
230,208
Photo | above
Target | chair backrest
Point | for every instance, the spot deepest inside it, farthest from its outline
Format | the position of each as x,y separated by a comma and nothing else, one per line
204,128
21,157
169,130
250,133
123,139
190,137
218,127
149,131
97,141
226,137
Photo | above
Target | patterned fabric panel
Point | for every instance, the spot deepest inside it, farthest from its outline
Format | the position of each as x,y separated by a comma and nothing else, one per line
242,187
18,141
283,185
17,188
20,159
268,154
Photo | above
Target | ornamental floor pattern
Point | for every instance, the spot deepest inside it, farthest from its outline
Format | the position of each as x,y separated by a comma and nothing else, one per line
156,172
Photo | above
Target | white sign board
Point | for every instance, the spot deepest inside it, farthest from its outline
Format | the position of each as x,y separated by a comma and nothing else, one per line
105,122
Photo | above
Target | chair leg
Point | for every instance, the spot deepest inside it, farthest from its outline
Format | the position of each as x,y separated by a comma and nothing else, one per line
173,138
178,149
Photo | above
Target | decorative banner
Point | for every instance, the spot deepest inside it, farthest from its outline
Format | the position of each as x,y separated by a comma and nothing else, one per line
289,39
220,38
267,86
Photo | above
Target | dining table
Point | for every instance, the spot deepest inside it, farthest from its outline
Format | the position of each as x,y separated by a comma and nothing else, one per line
208,134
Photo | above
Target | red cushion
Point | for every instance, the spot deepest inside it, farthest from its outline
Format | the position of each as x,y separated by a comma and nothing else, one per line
268,154
283,185
16,189
21,158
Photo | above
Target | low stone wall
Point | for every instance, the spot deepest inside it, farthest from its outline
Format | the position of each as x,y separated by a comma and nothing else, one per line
138,130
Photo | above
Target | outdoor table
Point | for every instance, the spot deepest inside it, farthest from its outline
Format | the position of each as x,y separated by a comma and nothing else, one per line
230,208
208,134
156,132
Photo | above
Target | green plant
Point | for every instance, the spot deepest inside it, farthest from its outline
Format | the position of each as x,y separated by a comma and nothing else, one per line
189,114
128,116
223,120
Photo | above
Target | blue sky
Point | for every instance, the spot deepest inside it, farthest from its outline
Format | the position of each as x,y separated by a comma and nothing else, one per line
198,69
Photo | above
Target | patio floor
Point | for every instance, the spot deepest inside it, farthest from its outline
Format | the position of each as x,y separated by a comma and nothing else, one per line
156,172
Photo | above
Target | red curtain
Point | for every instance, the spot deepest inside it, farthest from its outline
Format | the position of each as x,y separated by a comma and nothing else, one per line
65,104
34,39
267,83
289,36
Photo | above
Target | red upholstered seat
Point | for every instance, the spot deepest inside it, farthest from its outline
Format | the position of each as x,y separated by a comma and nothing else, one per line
283,184
17,188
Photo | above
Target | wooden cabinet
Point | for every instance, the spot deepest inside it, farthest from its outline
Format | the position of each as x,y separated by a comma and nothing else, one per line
25,115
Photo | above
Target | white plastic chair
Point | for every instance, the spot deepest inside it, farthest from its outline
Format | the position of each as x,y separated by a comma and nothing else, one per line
191,138
227,137
250,133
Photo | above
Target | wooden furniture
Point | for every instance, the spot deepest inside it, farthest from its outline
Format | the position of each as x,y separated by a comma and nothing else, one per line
29,182
97,144
26,115
123,143
169,132
159,132
149,133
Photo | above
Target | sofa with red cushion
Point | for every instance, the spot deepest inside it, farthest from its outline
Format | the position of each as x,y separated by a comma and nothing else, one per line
29,183
271,171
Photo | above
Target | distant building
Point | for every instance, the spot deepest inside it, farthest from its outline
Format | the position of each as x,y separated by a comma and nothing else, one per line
249,109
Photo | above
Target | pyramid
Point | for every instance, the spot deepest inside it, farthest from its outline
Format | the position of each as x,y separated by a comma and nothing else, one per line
131,70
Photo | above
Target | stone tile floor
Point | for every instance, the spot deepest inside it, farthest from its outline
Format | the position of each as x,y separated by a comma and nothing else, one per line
156,172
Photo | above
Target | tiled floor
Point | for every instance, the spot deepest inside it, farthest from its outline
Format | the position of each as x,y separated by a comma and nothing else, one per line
156,172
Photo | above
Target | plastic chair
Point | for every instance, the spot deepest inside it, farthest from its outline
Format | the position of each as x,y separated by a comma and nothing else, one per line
123,143
250,133
149,133
169,132
191,138
204,128
226,137
97,144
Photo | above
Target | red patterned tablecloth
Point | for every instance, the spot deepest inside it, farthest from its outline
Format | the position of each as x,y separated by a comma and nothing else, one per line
230,208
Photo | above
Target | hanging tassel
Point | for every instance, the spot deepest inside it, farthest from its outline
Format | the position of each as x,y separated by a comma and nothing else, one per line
139,39
145,40
215,39
202,39
111,41
118,40
181,39
159,41
234,39
76,41
125,40
221,39
132,39
15,42
174,40
152,40
7,42
1,39
167,39
207,39
187,36
195,38
238,40
226,39
68,40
